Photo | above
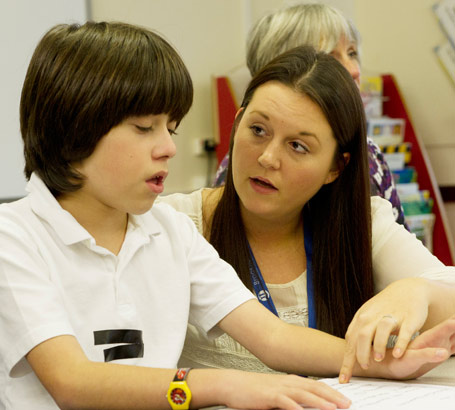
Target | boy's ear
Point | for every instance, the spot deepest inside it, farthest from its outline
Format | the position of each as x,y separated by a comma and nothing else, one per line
339,166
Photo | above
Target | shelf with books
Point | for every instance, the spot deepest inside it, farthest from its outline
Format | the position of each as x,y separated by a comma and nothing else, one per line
394,107
389,133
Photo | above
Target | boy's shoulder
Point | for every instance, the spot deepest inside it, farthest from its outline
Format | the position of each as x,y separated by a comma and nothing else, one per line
15,211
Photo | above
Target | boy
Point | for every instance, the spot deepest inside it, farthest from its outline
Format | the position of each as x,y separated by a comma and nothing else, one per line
87,274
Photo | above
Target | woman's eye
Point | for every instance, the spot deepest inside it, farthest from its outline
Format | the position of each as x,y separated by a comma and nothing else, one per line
172,132
258,131
298,147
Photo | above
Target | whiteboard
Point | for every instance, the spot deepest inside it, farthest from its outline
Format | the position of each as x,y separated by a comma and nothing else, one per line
23,24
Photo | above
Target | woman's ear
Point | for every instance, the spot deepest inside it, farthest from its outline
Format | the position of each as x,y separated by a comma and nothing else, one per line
238,117
346,158
238,112
338,168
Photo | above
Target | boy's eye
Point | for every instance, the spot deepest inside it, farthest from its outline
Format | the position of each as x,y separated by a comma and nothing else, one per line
144,129
149,129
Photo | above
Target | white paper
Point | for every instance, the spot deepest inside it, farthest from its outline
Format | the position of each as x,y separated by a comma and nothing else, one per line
380,395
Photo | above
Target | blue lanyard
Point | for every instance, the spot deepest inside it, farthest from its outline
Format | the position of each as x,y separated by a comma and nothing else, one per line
262,292
259,286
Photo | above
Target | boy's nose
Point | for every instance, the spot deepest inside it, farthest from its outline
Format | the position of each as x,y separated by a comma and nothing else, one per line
166,147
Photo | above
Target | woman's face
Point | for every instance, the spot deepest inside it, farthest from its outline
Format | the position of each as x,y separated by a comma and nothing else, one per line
347,54
283,153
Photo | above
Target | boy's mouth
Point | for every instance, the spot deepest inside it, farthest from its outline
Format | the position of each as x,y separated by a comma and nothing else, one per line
157,180
156,183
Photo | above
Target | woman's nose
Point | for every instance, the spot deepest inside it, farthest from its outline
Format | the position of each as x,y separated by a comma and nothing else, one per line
269,157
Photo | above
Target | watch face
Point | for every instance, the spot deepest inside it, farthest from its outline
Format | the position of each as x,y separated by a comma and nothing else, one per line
178,396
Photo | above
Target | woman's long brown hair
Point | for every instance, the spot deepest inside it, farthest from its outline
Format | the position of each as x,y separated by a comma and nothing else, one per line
339,213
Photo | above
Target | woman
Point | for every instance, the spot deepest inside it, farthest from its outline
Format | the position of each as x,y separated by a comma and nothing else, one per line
326,29
313,255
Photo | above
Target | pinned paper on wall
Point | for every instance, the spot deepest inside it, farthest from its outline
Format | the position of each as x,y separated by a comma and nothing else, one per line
446,57
445,13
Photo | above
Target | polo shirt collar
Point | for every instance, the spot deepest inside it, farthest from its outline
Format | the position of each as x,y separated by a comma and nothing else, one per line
44,204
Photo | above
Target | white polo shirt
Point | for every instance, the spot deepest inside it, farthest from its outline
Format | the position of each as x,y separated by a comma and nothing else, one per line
55,280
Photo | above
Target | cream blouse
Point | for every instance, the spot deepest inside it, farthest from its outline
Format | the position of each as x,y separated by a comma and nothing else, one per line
392,243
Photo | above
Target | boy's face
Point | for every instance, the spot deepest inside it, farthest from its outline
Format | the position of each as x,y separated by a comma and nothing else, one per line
128,167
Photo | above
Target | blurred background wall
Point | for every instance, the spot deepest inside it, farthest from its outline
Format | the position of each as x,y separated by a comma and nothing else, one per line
398,37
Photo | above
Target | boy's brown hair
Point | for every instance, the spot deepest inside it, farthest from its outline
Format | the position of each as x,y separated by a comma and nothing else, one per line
85,79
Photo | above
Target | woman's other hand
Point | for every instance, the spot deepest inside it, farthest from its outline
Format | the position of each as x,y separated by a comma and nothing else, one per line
442,335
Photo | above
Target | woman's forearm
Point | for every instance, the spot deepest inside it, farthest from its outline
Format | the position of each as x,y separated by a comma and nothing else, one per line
441,302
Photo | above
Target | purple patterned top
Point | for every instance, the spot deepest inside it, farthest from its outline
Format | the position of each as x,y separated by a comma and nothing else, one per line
381,179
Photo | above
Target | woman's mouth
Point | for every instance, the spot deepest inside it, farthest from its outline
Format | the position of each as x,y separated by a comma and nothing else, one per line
262,185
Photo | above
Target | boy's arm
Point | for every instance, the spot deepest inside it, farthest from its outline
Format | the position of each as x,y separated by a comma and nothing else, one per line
74,381
289,348
77,383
